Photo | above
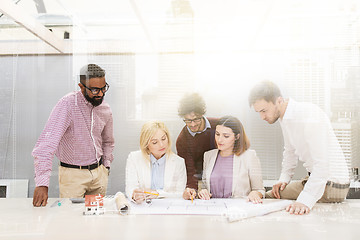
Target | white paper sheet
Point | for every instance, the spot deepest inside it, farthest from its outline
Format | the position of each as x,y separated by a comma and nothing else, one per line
236,213
233,209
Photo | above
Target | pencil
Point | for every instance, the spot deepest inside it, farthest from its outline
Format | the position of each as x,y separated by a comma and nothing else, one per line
156,194
192,199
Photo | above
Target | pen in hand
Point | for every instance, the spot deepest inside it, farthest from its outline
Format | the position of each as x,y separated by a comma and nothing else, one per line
190,194
156,194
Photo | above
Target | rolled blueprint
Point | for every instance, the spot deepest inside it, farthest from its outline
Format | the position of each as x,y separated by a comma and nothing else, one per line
122,204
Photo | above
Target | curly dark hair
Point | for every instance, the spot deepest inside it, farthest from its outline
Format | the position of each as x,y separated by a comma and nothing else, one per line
192,102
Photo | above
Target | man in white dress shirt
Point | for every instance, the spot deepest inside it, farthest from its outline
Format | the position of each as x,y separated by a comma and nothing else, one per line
309,138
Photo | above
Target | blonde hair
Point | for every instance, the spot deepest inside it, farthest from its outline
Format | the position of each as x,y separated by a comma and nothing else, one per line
148,130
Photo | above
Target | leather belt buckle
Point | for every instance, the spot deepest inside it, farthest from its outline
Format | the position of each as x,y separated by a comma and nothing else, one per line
88,167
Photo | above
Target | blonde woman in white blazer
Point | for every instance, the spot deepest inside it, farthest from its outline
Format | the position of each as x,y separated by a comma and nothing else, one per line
232,170
154,171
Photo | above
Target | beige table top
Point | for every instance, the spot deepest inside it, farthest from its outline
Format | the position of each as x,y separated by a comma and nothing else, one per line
20,220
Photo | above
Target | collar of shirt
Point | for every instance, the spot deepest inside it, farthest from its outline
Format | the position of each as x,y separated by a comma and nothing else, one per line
289,112
207,125
159,162
82,98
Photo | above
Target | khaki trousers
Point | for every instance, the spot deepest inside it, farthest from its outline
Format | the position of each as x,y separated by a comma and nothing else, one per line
76,183
293,189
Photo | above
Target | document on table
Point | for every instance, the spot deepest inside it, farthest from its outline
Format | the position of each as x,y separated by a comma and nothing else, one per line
236,213
231,208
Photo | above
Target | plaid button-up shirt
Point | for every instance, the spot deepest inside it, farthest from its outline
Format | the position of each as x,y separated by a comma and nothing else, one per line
77,133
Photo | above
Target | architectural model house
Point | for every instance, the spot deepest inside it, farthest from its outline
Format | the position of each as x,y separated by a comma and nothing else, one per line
94,205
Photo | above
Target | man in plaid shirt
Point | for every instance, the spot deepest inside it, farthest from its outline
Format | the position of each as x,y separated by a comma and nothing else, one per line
79,132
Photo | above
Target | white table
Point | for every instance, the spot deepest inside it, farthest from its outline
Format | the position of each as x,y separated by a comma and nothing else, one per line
20,220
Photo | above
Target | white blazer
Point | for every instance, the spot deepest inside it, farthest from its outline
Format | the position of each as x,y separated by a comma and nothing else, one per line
247,175
138,175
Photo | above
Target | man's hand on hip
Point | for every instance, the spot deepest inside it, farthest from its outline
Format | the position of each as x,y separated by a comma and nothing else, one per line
277,188
40,196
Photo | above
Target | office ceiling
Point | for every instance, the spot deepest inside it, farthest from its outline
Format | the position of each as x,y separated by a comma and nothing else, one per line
241,24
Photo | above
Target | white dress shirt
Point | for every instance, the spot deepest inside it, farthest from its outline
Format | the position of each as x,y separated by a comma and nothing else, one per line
310,138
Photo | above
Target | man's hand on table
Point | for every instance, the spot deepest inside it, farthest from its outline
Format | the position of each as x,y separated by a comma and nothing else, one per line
297,208
40,196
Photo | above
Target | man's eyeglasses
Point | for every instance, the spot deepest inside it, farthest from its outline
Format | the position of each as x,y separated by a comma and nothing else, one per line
96,91
195,120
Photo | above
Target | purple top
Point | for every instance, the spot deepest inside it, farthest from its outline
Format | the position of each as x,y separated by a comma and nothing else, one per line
222,177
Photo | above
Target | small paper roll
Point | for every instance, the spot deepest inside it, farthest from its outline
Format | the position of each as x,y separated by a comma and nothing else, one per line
122,204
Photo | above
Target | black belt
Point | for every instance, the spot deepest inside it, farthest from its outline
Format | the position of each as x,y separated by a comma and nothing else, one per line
337,185
89,167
